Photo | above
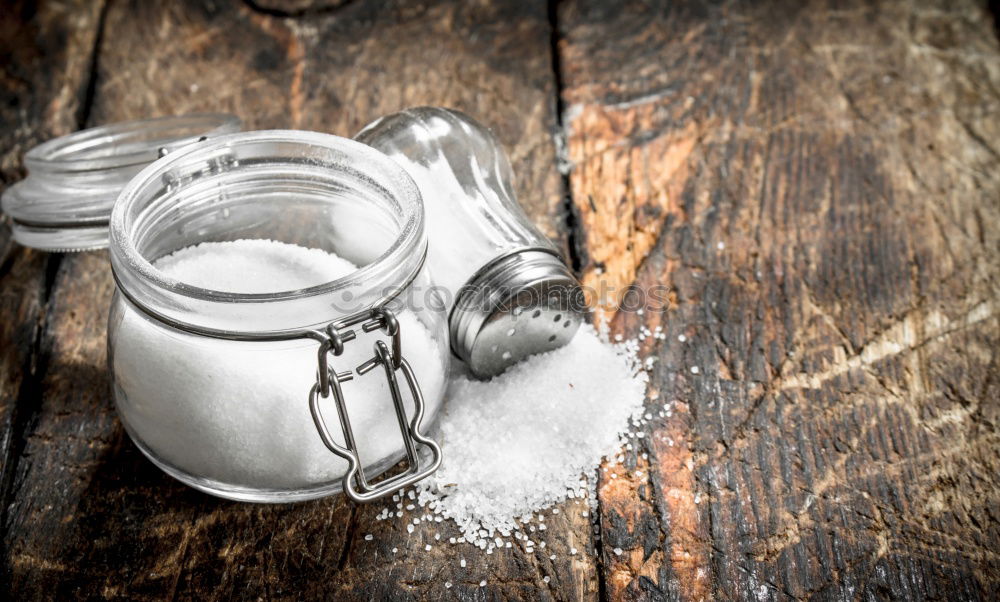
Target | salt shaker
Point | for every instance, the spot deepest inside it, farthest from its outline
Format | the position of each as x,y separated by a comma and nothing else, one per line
510,294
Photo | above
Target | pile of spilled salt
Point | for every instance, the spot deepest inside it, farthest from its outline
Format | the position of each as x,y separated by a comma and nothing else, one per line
237,412
524,440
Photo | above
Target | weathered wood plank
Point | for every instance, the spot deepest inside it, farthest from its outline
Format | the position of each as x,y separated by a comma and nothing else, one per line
48,49
43,87
23,294
93,518
818,185
337,71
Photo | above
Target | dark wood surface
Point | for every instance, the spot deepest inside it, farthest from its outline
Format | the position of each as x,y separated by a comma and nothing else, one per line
817,183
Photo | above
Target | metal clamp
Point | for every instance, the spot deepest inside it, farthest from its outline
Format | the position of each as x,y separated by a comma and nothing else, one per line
332,339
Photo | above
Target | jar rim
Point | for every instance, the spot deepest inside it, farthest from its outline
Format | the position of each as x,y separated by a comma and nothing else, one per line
409,243
78,151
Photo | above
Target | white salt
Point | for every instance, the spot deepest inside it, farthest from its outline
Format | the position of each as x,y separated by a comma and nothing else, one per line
237,412
522,441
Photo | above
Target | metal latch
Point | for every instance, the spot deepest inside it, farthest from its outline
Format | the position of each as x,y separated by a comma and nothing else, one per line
332,338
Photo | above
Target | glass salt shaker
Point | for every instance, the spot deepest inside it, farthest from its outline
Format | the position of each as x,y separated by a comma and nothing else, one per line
285,393
511,293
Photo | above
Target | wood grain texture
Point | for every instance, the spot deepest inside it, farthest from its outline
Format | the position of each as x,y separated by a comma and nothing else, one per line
48,48
818,186
813,185
44,80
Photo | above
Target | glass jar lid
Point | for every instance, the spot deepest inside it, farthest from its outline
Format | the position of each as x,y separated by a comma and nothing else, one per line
73,181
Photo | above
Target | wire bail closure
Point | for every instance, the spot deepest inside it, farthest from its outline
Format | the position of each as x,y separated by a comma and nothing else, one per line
331,339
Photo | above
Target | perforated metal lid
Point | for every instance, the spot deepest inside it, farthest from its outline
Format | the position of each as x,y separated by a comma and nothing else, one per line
522,304
65,202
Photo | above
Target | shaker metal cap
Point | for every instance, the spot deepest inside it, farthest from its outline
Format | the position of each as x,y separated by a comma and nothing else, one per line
525,303
73,181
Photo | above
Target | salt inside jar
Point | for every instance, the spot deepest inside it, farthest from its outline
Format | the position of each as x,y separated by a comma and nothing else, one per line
246,263
243,420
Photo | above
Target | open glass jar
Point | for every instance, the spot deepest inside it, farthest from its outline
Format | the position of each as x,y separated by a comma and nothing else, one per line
233,391
73,180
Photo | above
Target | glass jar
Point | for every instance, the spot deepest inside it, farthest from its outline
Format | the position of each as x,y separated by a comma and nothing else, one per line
233,393
73,181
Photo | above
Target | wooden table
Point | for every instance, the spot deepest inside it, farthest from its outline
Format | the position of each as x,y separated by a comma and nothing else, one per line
817,183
